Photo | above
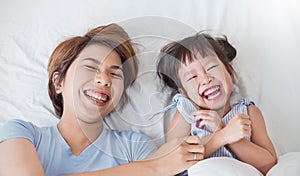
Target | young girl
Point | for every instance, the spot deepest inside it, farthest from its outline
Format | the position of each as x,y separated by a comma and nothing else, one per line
199,68
88,76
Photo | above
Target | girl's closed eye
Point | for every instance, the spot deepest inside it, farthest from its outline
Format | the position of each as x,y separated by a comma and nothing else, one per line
192,77
212,67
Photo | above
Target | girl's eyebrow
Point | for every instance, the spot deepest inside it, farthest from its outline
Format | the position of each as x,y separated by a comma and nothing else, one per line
187,73
115,67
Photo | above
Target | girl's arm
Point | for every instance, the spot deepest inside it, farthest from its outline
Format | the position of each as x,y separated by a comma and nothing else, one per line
259,152
19,157
179,127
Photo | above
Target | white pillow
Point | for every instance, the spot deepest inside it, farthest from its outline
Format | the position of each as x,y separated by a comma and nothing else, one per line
288,164
223,166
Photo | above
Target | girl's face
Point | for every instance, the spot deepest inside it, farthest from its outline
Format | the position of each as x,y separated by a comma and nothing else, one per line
206,82
94,84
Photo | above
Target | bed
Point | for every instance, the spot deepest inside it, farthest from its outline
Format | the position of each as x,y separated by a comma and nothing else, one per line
265,33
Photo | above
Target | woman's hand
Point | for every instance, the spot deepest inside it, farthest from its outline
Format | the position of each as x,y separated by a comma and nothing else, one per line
237,128
179,154
209,118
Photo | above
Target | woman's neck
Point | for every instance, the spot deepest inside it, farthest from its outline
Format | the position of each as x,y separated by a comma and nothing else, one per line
78,134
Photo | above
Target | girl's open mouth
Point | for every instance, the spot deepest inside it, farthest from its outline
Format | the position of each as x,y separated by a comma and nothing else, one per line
211,92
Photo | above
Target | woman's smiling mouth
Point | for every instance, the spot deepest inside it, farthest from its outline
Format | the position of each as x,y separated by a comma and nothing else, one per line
97,96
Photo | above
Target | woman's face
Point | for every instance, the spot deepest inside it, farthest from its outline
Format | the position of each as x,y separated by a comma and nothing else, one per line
206,82
94,84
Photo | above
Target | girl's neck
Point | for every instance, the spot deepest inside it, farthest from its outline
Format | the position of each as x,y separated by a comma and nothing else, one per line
223,111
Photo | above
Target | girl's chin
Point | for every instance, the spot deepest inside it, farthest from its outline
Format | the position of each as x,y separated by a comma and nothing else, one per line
213,104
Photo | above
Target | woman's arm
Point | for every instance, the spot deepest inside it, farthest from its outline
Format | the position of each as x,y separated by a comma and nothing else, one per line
19,157
170,159
260,152
179,127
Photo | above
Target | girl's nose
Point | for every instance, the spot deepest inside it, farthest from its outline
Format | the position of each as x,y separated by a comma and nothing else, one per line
206,79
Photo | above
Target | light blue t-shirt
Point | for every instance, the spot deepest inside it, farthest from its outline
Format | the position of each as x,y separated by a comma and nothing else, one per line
111,148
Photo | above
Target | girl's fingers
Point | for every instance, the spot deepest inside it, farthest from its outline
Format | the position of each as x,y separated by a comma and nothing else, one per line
204,114
200,112
197,118
201,123
246,122
247,127
201,117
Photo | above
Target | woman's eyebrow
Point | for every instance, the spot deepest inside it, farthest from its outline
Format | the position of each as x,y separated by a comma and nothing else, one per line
91,59
115,67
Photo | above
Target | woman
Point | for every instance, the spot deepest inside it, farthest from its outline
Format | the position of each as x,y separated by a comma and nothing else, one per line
88,76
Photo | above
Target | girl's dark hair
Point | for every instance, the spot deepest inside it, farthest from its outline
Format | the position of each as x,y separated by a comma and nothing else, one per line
183,51
227,48
112,36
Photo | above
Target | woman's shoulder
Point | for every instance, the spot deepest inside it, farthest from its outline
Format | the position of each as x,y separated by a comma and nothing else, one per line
17,128
18,123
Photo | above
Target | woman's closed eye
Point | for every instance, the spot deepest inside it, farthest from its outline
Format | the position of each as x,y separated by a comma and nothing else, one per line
91,68
117,75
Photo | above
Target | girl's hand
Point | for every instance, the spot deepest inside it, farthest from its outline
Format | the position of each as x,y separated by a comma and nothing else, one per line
237,128
209,118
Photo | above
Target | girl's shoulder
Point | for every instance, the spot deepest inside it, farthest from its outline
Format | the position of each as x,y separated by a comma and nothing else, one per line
242,106
245,102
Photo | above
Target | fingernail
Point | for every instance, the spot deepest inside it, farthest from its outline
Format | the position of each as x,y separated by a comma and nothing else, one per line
198,122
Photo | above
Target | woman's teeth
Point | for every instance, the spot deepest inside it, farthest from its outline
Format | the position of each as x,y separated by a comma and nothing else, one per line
97,97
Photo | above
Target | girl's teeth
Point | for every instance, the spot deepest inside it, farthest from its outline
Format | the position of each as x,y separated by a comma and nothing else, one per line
206,93
211,93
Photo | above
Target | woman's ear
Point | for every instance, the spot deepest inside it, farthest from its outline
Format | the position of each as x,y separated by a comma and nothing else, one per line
56,83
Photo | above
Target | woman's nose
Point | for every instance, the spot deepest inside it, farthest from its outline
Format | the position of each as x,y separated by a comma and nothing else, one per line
103,79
